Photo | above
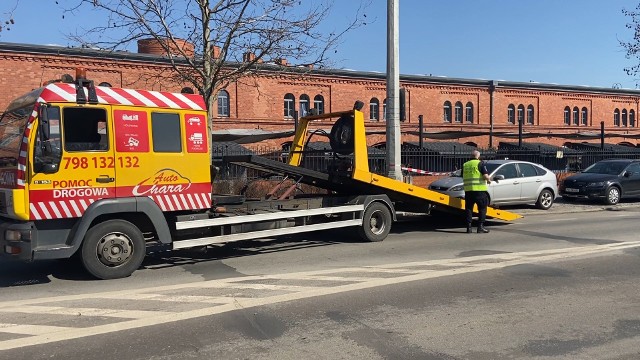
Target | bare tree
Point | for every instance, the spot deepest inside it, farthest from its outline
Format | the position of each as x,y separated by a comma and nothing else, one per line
632,47
231,38
6,19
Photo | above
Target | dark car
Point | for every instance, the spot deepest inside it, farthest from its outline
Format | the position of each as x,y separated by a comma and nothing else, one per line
606,180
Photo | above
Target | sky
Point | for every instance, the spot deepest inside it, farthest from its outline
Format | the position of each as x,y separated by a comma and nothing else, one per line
567,42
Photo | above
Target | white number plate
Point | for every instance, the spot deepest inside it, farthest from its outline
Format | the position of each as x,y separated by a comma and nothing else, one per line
572,190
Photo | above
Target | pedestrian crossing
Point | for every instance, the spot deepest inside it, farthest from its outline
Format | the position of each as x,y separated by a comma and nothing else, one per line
38,321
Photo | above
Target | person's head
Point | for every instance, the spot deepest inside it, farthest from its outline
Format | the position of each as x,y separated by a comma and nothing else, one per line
475,154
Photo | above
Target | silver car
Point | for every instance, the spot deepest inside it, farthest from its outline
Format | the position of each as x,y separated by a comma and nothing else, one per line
513,182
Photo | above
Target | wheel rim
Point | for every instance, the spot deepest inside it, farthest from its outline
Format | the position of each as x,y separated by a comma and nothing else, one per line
614,195
376,222
546,199
114,249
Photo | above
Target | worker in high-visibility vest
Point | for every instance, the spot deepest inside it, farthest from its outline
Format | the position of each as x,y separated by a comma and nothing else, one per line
475,178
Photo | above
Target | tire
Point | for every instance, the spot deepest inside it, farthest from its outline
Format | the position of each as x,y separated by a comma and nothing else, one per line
376,222
613,196
545,199
120,239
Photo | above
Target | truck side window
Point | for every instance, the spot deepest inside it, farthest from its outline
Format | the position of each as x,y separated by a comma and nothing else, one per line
48,151
165,129
85,129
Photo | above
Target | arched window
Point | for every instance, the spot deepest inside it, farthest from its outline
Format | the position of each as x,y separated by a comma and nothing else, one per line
318,104
624,117
576,119
304,105
616,117
511,114
567,115
520,114
289,106
374,109
530,115
458,112
469,112
186,90
632,118
446,109
223,103
584,117
106,84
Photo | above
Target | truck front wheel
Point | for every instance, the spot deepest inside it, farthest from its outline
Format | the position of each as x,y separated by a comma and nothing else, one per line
376,222
113,249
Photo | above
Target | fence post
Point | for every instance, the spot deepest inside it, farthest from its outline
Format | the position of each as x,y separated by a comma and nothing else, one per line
601,135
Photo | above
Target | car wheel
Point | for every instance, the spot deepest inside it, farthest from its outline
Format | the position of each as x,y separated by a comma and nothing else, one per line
545,199
613,196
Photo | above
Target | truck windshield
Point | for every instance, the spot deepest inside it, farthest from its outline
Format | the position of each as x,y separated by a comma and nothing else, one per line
12,125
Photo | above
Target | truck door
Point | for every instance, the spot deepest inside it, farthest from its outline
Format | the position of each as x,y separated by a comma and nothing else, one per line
74,164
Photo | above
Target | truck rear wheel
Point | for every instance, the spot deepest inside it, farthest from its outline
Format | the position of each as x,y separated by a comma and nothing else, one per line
113,249
376,222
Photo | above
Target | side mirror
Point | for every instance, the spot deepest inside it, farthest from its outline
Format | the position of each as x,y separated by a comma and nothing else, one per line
498,177
46,168
43,115
627,174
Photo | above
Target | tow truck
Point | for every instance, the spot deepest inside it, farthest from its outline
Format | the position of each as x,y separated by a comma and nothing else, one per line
108,175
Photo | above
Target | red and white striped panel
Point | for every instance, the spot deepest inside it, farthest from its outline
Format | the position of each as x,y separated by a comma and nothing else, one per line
58,209
424,172
178,202
24,146
62,92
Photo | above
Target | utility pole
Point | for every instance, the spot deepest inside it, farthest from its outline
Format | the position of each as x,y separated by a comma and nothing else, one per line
394,170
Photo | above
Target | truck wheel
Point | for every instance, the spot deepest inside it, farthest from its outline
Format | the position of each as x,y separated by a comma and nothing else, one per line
613,196
376,222
545,200
113,249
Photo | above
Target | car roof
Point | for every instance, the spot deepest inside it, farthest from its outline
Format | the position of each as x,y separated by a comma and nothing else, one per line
620,160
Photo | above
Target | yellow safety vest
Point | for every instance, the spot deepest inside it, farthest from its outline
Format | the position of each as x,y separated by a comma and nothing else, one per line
472,177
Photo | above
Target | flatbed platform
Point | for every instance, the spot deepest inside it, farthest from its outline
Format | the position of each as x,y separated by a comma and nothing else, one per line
363,182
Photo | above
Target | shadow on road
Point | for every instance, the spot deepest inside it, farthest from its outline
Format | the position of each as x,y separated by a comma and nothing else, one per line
16,273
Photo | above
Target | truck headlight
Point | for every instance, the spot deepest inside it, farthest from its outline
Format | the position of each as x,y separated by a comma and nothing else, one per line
13,235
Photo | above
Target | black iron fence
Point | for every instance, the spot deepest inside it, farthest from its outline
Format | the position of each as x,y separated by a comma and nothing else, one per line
558,160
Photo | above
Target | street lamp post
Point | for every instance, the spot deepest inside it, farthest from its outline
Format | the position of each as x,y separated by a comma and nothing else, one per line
393,84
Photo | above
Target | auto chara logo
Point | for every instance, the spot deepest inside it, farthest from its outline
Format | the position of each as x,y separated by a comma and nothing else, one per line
165,181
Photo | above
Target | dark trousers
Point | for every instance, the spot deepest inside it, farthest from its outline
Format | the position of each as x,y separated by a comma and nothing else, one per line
479,198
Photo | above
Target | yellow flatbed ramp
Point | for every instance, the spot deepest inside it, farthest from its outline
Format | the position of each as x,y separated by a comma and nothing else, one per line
396,186
357,179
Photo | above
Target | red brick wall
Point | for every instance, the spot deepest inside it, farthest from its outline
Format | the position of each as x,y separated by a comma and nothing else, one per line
257,101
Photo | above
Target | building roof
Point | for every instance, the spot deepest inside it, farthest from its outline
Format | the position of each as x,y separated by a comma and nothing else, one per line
534,146
607,147
223,148
341,73
444,147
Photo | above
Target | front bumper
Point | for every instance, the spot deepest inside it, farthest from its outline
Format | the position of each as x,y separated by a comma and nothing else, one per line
585,193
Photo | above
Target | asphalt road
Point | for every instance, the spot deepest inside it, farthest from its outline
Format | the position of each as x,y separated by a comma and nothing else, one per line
555,284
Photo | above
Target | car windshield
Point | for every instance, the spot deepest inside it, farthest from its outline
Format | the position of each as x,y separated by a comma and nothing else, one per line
606,167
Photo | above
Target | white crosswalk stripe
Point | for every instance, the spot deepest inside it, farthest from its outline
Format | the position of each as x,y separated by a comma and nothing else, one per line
219,296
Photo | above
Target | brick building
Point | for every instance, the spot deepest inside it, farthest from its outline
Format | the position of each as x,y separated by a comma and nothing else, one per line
471,111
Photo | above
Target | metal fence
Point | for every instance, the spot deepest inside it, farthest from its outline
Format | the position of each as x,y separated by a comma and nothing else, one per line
557,159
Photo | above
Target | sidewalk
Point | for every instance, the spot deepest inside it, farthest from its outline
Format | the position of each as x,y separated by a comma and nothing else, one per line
560,206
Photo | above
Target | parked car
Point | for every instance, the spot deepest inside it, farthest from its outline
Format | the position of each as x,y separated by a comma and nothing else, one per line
514,183
606,180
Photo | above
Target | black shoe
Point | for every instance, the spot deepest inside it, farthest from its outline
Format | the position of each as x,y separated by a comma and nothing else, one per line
469,230
482,230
